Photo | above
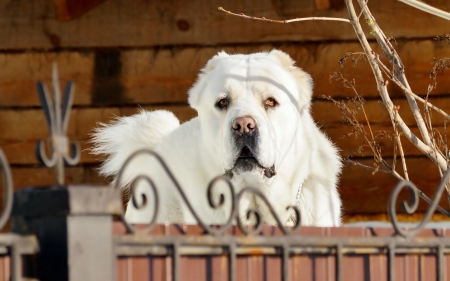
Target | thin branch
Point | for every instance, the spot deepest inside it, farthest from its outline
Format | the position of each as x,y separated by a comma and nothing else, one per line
408,91
440,65
441,38
369,168
445,135
434,145
362,10
367,121
430,105
242,15
400,148
350,117
427,8
394,161
356,56
388,171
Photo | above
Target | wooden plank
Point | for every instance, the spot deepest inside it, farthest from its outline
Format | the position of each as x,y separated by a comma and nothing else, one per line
328,114
348,145
70,9
372,191
323,4
38,176
145,76
21,131
23,153
20,71
19,145
31,25
24,177
148,76
17,126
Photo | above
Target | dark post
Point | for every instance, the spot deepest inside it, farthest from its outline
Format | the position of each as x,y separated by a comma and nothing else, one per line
74,229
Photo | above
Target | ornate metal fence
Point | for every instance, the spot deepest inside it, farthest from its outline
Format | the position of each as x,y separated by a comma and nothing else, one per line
285,242
13,247
77,238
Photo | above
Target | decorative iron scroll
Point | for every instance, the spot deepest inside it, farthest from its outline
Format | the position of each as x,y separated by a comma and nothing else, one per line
235,199
57,116
411,206
8,196
216,242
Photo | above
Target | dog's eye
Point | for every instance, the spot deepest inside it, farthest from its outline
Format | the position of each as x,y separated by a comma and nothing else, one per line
223,103
270,102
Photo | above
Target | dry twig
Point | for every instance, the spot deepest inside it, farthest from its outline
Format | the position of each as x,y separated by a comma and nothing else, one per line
350,111
399,145
443,38
242,15
440,65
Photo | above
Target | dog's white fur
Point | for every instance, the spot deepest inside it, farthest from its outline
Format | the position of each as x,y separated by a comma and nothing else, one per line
306,162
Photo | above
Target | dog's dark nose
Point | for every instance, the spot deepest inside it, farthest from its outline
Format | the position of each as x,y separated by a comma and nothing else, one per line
244,125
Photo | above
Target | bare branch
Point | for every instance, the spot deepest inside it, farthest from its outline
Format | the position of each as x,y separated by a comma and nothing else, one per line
388,171
281,21
446,141
433,132
440,65
408,91
350,110
356,163
442,38
356,57
427,8
400,148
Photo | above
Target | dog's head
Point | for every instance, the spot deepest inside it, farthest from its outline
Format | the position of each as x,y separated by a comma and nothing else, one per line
251,109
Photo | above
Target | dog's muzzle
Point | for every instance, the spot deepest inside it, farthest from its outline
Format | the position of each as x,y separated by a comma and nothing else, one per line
245,135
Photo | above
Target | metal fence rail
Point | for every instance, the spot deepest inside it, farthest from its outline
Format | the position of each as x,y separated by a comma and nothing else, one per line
343,253
285,248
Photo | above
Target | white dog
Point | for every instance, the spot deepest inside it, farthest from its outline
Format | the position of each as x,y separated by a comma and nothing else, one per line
253,124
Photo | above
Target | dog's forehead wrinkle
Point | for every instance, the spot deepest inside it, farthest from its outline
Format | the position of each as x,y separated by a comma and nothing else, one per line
261,91
233,88
260,79
248,67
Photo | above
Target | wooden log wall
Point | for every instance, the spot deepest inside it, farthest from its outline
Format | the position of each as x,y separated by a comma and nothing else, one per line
126,55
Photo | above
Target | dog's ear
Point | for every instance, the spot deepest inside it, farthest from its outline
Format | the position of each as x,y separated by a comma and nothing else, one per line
195,91
304,80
